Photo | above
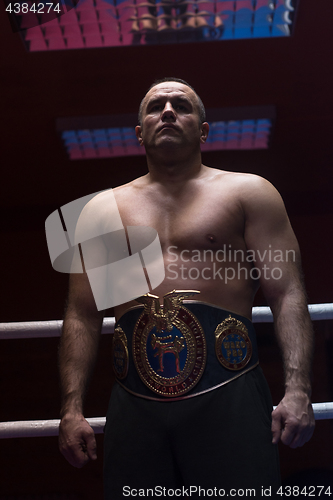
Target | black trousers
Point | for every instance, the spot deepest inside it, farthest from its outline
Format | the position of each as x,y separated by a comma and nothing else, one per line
219,440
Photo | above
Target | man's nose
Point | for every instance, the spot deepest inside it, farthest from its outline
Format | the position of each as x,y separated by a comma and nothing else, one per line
168,112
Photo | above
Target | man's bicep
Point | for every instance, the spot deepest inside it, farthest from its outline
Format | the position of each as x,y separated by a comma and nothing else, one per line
266,219
272,242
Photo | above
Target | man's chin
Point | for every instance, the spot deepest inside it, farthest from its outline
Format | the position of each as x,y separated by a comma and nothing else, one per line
168,142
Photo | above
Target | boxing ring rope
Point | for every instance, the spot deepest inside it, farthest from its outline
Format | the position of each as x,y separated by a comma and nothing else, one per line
47,428
42,329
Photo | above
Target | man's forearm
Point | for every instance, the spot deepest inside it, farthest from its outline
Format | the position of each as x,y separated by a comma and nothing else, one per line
77,356
295,335
293,420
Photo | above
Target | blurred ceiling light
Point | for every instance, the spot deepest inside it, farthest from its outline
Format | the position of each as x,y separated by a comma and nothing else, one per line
110,136
111,23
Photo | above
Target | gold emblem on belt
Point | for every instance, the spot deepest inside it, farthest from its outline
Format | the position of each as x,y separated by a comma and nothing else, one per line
233,346
169,346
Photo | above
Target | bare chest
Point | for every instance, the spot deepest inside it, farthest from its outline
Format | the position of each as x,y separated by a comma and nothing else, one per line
200,220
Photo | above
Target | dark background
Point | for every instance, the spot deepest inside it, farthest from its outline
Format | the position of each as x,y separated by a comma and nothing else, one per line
293,74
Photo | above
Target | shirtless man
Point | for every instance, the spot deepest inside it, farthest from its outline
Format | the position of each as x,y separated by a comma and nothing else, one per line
195,208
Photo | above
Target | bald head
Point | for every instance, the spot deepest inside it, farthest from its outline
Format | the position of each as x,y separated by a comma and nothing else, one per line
199,104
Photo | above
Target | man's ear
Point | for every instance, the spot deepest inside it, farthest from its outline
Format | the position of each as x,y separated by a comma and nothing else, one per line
138,133
204,132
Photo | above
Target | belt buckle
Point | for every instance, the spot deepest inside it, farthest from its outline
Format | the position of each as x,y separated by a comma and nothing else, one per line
169,345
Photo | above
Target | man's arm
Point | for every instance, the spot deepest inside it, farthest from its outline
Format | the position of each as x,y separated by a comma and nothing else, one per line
268,229
77,356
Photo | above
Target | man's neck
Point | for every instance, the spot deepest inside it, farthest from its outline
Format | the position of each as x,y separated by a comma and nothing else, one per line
174,170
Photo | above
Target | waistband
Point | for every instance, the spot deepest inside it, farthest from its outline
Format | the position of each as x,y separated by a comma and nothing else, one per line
182,350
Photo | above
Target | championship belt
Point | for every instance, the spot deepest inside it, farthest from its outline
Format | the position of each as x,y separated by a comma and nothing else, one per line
169,346
177,351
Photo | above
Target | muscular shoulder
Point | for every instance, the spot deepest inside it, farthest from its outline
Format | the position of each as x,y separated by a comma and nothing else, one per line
243,182
249,189
262,206
259,197
99,204
104,201
99,215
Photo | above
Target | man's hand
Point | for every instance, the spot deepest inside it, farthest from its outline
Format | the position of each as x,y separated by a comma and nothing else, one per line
293,420
77,440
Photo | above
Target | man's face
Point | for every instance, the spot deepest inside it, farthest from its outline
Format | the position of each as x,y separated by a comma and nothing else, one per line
170,117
